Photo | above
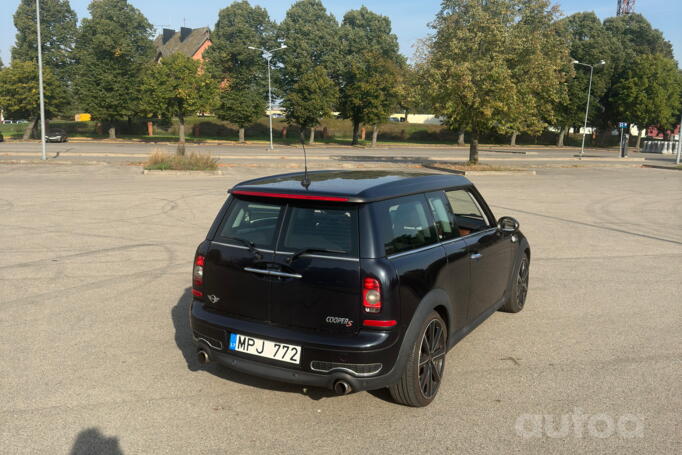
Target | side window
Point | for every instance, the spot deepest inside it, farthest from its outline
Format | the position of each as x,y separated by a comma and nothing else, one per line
251,221
445,219
405,224
469,216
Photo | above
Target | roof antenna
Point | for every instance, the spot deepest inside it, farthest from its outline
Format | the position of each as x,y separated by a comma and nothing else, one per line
305,183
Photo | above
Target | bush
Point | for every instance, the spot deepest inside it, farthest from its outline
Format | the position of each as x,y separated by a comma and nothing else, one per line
193,162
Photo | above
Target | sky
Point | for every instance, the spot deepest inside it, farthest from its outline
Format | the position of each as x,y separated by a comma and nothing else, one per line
409,18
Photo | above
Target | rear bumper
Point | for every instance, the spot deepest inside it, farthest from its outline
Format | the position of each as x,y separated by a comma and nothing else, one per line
212,330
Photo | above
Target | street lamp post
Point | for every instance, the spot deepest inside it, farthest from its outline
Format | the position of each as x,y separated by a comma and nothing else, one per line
679,142
587,108
40,82
267,55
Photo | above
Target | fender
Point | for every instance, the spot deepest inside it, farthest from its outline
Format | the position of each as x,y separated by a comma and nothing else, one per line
522,246
435,298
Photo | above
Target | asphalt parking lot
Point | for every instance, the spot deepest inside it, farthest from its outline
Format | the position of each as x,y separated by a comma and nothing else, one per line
97,355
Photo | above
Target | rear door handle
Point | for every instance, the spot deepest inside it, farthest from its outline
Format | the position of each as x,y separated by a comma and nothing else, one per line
285,275
475,256
261,271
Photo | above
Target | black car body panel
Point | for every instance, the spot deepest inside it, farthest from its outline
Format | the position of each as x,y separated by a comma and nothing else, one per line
388,229
365,186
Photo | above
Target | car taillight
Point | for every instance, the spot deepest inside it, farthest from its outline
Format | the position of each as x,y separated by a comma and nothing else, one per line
198,275
371,295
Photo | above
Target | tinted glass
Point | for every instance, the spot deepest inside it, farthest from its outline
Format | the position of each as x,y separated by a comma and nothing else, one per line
468,215
251,221
445,219
404,223
334,229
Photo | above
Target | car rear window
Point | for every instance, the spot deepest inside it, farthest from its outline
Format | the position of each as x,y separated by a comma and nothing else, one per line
324,228
251,221
404,223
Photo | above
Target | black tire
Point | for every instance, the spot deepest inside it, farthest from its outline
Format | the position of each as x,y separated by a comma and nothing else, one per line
425,366
519,290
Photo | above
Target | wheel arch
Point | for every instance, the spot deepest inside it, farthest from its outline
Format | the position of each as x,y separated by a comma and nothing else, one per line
522,248
435,300
439,301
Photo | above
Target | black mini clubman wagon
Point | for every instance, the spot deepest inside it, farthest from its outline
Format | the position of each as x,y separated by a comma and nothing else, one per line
353,280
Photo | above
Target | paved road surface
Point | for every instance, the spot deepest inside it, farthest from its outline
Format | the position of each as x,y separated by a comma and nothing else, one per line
258,154
96,353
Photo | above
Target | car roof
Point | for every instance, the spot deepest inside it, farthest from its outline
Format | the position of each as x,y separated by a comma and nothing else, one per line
348,186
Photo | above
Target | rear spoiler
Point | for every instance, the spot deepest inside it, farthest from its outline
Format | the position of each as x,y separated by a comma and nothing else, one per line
306,197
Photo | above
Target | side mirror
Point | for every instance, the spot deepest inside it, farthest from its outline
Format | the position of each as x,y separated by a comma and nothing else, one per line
507,225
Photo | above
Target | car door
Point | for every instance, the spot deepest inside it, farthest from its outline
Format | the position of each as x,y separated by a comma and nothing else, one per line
455,278
489,253
319,289
242,248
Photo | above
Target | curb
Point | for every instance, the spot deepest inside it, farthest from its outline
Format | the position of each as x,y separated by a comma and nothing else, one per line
515,152
52,162
459,172
174,172
658,166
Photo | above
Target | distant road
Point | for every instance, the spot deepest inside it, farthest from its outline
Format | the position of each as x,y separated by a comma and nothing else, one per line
134,152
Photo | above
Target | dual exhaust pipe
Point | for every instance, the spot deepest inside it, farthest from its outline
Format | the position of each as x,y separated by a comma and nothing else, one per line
340,387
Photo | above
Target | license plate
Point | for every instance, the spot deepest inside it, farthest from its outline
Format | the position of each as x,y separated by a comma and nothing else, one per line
264,348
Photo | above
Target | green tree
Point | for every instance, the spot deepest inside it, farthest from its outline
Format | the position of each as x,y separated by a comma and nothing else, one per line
495,65
312,37
310,99
589,42
58,27
371,65
112,49
649,93
241,70
636,37
537,60
413,89
176,87
19,97
241,106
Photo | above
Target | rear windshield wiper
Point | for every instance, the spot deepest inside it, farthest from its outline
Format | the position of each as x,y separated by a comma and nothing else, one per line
250,245
303,251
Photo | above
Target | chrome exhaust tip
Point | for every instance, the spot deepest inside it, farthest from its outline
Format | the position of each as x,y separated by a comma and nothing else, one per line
341,387
203,357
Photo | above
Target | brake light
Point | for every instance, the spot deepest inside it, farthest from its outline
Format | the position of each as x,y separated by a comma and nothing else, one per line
371,295
198,275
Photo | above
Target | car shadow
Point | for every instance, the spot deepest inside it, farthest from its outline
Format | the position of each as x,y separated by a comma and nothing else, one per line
91,441
183,339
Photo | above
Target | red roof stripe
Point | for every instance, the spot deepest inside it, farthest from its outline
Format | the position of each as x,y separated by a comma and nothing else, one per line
307,197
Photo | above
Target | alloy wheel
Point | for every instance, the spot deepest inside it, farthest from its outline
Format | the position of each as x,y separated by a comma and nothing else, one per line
522,283
432,358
